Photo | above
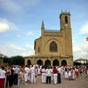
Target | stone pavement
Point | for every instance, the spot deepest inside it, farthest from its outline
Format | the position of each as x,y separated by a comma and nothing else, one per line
80,82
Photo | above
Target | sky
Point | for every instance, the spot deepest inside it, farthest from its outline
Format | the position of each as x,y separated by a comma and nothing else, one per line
20,24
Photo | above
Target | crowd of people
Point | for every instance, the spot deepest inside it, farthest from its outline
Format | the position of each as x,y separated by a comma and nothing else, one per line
16,75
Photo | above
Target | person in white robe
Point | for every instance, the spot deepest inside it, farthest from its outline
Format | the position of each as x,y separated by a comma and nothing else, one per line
43,71
33,78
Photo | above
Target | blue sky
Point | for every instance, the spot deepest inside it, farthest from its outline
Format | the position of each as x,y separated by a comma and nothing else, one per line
20,24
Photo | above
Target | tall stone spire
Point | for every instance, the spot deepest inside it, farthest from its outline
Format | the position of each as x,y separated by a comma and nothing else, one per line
42,27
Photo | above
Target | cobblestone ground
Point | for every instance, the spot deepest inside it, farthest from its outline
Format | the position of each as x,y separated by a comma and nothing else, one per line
81,82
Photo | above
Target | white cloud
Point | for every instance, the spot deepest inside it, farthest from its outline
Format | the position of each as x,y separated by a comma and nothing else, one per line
29,50
5,25
25,35
30,46
27,53
16,47
80,50
30,33
75,47
84,29
13,50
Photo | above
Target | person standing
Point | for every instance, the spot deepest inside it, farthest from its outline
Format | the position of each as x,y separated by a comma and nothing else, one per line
11,79
20,78
32,71
76,72
87,71
16,70
2,77
26,72
73,73
59,75
66,73
70,73
48,75
55,72
43,72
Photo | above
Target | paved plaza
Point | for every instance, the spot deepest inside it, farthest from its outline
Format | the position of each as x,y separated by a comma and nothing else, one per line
80,82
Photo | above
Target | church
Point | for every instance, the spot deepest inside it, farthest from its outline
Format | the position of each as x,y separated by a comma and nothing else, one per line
54,47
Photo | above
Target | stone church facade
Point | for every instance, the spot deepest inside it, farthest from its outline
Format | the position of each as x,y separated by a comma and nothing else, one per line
54,47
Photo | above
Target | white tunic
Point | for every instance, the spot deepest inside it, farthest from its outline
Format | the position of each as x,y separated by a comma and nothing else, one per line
2,73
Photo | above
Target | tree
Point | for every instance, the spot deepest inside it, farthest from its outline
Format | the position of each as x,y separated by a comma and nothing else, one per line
16,60
5,59
77,63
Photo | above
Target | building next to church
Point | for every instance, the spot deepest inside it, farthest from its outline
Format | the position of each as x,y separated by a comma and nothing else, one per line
54,47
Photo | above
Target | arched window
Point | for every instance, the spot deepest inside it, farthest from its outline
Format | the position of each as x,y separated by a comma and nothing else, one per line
53,47
66,19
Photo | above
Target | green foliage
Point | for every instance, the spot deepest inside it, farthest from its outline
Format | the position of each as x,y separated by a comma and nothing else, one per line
16,60
76,63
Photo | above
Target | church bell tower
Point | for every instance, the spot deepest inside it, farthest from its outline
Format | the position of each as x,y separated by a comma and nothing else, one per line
65,20
65,27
